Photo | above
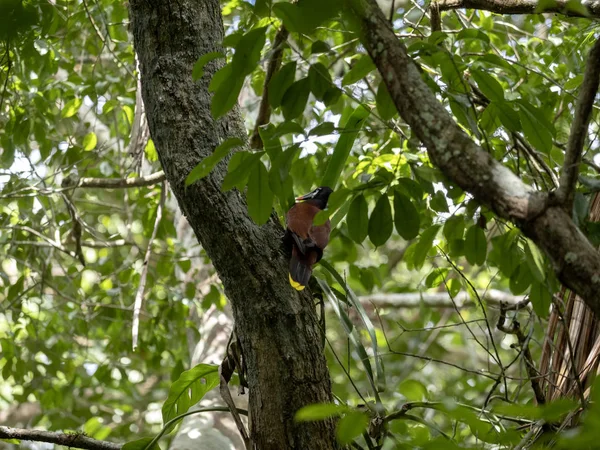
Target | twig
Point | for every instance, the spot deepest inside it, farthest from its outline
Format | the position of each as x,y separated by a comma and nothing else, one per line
579,128
121,183
442,299
264,111
139,296
88,244
523,341
529,435
592,164
535,158
73,440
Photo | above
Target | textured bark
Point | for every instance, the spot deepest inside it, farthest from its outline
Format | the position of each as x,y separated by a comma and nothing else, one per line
522,7
277,327
540,217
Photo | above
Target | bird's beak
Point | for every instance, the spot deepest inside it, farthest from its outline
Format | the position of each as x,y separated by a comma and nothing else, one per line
303,197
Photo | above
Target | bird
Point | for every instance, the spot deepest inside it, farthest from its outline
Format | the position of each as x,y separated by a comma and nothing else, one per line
307,241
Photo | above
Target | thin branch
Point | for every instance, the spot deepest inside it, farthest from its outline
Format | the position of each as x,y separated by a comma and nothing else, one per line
523,341
521,7
88,244
121,183
139,296
579,128
73,440
442,299
264,111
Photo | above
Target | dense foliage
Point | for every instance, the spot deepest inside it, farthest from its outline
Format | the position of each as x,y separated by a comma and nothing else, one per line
74,252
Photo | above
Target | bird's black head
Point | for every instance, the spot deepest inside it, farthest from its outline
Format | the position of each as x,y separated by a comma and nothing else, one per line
318,197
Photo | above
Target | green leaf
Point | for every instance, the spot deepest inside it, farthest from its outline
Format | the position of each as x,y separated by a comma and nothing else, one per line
332,96
295,98
260,196
240,166
507,115
413,390
535,260
472,33
344,146
406,216
352,425
320,80
90,141
360,70
280,83
139,444
537,131
488,85
454,228
573,83
438,202
319,47
207,164
306,15
385,105
541,299
381,223
71,108
322,129
319,411
358,219
189,389
247,52
150,151
221,76
424,245
520,280
262,8
198,69
290,15
475,245
226,96
436,277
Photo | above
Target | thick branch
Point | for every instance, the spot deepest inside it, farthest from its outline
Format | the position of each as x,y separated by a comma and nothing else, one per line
521,7
121,183
575,261
73,440
579,128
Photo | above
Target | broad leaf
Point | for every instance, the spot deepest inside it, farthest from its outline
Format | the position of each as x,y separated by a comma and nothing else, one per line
198,69
475,245
295,98
385,105
207,164
352,425
260,196
406,216
189,389
280,83
357,219
343,147
381,223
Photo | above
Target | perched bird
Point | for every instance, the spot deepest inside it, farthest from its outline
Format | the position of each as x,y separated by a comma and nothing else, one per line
306,240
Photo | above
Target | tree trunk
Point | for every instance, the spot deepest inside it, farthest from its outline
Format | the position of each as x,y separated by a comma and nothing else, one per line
277,327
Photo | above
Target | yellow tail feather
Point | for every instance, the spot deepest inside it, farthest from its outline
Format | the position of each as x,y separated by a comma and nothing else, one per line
295,284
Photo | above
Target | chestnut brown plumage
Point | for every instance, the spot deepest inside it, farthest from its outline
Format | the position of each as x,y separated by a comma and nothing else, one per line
307,241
